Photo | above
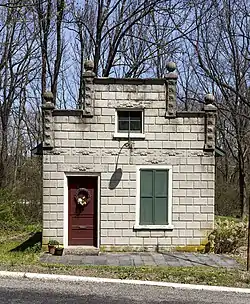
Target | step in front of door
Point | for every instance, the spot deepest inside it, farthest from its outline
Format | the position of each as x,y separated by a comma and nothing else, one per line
81,250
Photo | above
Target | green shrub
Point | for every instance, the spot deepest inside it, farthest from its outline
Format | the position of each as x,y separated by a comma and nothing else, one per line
228,236
7,217
34,248
53,242
17,215
21,200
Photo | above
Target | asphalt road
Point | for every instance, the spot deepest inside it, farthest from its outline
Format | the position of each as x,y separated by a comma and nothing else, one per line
27,291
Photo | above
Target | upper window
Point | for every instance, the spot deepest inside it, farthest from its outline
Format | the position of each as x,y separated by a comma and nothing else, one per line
129,123
154,198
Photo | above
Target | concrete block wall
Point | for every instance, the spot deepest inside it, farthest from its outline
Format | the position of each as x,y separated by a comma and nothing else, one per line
86,145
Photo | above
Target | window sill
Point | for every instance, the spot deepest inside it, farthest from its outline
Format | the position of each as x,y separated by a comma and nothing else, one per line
153,227
131,135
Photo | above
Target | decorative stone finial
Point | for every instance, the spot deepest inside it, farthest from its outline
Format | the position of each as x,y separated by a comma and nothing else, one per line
171,81
48,96
210,122
47,108
171,66
89,65
88,95
209,99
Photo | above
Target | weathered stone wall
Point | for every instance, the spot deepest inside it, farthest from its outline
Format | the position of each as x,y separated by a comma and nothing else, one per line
86,144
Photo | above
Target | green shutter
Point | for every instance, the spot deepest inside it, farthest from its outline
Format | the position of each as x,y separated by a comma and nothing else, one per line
161,197
146,197
153,197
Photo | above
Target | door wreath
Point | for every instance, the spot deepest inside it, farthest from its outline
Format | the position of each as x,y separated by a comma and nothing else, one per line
82,196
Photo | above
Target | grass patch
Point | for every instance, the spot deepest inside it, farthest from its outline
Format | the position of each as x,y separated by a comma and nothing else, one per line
27,260
188,275
242,261
10,241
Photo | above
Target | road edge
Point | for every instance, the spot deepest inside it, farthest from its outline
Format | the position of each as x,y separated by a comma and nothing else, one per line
69,278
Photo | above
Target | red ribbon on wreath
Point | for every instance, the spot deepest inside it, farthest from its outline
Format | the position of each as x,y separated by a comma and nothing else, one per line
82,196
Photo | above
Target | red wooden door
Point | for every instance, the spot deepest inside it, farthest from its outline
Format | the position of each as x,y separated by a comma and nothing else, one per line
82,220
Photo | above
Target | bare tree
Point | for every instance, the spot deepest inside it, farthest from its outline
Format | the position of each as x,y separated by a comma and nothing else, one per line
50,16
17,50
221,45
110,22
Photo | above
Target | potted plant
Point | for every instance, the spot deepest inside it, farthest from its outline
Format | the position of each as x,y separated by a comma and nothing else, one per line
52,245
58,251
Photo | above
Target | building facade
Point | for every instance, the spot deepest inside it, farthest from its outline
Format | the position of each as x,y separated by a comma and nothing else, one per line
127,169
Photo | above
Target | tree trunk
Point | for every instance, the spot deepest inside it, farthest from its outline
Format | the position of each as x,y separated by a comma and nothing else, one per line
3,154
242,188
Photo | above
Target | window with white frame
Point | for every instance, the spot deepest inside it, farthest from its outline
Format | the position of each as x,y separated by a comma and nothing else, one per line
154,197
129,123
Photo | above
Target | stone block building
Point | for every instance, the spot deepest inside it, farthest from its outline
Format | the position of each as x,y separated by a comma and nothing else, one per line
127,169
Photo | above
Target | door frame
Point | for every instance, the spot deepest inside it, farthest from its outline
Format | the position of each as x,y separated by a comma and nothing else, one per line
66,207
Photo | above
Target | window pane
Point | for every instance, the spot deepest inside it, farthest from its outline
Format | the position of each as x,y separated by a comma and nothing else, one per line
135,125
123,125
124,115
135,115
